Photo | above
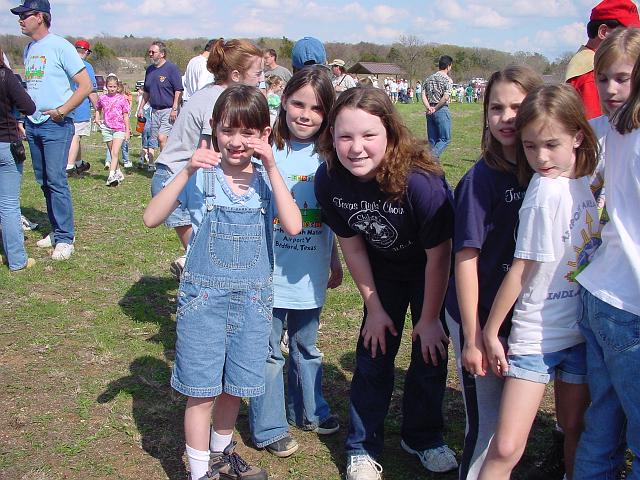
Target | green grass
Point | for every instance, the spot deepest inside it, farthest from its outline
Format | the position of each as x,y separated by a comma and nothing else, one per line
86,345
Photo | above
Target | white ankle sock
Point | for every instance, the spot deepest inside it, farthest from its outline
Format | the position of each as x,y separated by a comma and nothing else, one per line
198,462
78,163
219,442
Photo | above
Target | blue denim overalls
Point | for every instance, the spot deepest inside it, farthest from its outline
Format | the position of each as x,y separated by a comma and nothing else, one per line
225,300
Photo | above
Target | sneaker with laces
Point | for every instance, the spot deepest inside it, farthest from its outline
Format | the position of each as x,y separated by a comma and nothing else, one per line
438,459
363,467
177,266
62,251
231,466
112,180
83,167
72,172
151,167
328,426
119,176
27,224
46,242
210,475
283,448
127,164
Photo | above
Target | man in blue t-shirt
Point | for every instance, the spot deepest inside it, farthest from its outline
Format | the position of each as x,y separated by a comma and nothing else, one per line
82,116
52,66
163,90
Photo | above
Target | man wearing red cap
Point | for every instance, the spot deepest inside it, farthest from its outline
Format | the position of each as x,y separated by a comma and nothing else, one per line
82,118
605,16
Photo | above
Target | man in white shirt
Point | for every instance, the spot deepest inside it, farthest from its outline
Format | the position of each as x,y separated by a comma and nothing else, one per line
341,81
197,75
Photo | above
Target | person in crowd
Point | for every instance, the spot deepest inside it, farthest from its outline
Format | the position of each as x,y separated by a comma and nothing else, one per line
386,199
227,280
301,277
487,201
232,61
605,17
341,79
275,85
307,51
271,66
112,115
557,235
196,75
12,156
163,90
82,115
50,128
435,98
610,308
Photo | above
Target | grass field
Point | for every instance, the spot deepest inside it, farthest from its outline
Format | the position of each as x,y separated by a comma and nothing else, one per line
86,345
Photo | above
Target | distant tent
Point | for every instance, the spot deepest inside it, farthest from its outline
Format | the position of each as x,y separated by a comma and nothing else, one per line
372,68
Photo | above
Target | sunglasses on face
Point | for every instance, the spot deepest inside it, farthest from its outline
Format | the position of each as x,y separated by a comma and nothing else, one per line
25,15
151,52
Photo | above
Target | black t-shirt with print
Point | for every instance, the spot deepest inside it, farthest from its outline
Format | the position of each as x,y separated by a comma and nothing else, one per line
396,233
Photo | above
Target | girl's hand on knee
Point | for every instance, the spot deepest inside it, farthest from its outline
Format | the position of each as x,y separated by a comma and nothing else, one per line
374,332
496,355
433,340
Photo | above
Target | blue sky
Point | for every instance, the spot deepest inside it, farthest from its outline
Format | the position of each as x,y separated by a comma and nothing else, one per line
550,27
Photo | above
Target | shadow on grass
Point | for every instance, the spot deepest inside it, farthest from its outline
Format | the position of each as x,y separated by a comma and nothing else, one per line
152,300
157,414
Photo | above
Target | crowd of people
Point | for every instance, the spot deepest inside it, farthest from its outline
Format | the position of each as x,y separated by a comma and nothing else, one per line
266,174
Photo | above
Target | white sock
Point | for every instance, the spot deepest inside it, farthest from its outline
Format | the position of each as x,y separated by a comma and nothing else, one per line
219,442
78,163
70,167
198,462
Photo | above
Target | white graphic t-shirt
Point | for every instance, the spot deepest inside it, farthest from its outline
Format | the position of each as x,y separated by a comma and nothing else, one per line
559,231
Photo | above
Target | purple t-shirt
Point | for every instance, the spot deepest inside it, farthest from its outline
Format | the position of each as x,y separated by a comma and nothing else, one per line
161,83
396,233
487,202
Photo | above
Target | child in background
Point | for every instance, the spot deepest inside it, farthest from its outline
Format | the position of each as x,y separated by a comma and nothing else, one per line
556,237
149,144
114,124
301,275
124,150
386,199
275,84
610,319
487,201
225,300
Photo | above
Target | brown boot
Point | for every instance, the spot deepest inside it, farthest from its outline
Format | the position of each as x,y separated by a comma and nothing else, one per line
231,466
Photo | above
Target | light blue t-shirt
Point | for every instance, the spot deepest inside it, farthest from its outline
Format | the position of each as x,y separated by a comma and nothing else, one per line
302,261
192,196
82,113
50,64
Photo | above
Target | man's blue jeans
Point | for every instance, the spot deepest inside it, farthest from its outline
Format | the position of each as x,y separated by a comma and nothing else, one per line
49,145
613,356
12,234
373,380
439,130
305,405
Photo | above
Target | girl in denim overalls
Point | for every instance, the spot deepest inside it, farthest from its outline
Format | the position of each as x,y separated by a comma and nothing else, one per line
225,297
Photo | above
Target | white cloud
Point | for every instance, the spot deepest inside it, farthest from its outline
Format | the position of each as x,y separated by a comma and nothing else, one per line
535,8
380,14
475,14
114,7
167,8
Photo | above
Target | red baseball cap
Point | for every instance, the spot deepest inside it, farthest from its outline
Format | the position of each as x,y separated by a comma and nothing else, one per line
83,44
624,11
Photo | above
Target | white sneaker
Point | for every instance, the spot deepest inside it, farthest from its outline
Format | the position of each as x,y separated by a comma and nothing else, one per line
439,459
128,164
112,179
177,266
119,175
62,251
107,165
46,242
363,467
27,224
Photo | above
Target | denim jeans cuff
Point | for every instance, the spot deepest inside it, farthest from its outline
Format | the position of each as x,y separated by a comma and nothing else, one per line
271,440
351,453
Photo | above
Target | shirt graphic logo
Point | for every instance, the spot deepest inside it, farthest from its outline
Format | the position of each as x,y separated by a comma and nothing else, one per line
162,78
35,68
374,227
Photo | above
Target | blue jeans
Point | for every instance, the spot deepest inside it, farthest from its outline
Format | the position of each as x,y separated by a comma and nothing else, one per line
305,405
373,380
439,130
49,145
613,355
12,234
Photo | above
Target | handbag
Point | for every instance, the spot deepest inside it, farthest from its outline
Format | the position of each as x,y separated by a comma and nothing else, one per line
17,148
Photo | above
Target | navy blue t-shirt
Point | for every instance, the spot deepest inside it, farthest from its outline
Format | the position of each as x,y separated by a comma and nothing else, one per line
161,83
396,233
487,202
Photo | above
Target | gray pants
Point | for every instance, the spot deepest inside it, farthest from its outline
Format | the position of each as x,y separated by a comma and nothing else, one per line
482,403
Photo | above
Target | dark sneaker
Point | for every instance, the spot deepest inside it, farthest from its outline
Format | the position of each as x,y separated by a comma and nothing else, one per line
329,426
83,167
283,448
551,466
72,172
230,466
210,475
